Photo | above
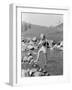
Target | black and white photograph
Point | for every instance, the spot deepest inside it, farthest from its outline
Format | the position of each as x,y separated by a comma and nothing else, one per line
41,44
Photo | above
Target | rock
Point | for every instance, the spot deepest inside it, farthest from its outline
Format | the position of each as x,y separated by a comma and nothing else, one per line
32,71
40,69
37,73
24,73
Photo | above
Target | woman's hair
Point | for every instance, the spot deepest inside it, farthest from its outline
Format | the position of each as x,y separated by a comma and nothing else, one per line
42,36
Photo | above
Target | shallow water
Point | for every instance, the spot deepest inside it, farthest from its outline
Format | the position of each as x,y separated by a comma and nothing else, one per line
54,65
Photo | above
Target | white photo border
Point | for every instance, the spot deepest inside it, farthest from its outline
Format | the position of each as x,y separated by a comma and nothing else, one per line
17,79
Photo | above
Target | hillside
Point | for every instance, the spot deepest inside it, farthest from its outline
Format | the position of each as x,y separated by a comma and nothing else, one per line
54,33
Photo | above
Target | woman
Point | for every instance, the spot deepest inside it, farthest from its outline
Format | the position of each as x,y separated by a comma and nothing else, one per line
43,44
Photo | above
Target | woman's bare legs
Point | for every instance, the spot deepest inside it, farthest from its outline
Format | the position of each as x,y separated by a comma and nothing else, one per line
37,56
